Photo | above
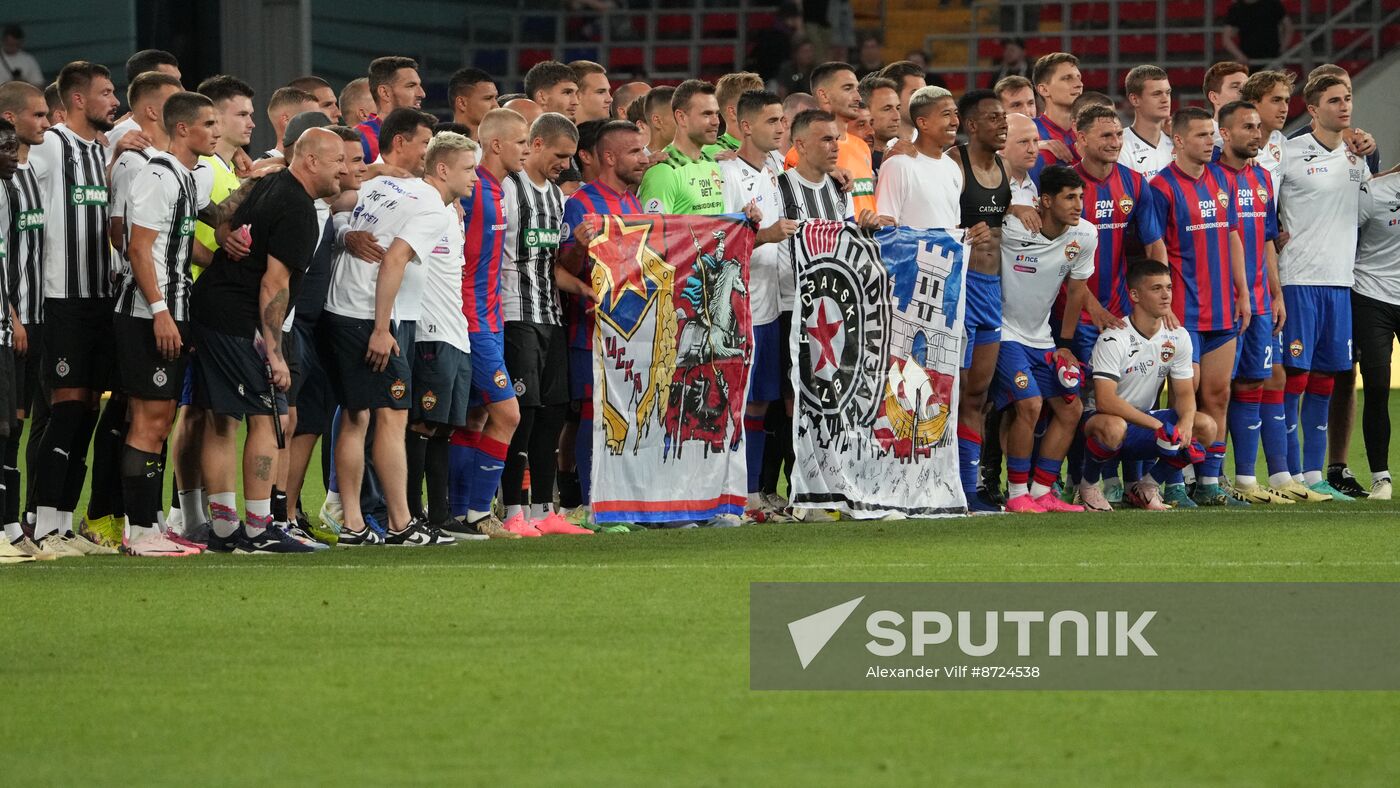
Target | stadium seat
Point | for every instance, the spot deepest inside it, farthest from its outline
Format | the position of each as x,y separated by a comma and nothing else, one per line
492,61
717,56
1092,47
719,26
671,58
529,57
1139,14
1187,80
674,26
1185,46
1096,79
580,53
626,59
1138,47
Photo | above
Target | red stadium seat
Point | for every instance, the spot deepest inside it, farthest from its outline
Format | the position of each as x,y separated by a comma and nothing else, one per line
1186,80
626,59
1185,45
1138,46
957,82
529,57
672,58
674,26
1091,47
717,56
1096,79
1140,14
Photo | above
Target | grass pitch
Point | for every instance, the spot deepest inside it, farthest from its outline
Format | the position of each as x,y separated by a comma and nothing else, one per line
623,659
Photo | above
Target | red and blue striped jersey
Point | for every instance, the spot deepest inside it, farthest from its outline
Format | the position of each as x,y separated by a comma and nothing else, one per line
486,244
596,198
1254,203
1050,130
1115,204
369,138
1197,216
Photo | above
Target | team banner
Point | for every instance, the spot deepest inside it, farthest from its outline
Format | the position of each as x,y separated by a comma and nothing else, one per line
876,346
672,344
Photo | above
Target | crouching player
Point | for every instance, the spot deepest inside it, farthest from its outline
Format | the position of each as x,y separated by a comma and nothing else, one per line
1129,366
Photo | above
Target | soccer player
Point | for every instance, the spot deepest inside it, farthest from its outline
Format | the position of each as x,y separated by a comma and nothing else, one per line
1269,92
881,98
238,306
479,450
536,348
1375,309
688,181
728,90
326,102
908,77
1222,85
23,106
594,91
285,104
1319,191
984,199
1199,221
1034,364
620,157
624,96
836,89
473,93
368,327
393,84
750,180
145,61
1146,148
70,166
57,113
554,87
1058,83
1016,94
356,102
1259,355
923,190
661,121
146,95
152,307
1121,417
10,553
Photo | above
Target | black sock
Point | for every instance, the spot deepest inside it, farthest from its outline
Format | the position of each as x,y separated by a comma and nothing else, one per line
544,453
279,505
570,490
52,463
417,450
38,425
10,512
436,469
517,460
143,477
108,447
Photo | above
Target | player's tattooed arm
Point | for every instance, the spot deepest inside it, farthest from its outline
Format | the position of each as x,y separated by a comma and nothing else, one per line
215,214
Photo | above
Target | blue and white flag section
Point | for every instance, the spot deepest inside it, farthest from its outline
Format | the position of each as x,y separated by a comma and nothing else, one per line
876,346
672,344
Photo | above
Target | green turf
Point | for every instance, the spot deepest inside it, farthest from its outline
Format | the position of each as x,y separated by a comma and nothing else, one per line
623,660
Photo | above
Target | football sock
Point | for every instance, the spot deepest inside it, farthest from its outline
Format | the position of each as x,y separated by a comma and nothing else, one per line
488,461
544,453
143,480
1018,473
416,450
1292,397
460,458
1312,423
517,459
108,443
223,517
190,508
1047,472
1096,456
969,459
435,469
755,441
1244,421
258,516
1273,432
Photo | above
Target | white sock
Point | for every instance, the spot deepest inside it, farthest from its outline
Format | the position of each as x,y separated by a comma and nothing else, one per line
1245,482
473,515
46,521
539,511
133,531
225,514
13,532
259,516
1299,478
1016,490
1376,476
1038,489
1312,477
190,507
65,523
333,500
1281,479
1209,480
1189,473
1112,482
513,510
204,504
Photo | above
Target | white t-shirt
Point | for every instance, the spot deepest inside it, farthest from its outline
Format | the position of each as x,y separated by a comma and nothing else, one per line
1033,268
123,173
442,319
742,184
1271,157
118,131
1378,251
151,203
1023,191
388,208
920,191
1140,363
22,65
1319,195
1142,156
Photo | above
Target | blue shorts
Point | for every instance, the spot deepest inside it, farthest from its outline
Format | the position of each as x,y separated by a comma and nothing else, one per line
1023,372
1140,443
187,388
982,313
1317,334
765,376
1086,335
1258,349
490,381
580,374
1206,342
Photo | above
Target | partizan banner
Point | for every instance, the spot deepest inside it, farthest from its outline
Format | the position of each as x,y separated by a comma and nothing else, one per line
876,345
672,344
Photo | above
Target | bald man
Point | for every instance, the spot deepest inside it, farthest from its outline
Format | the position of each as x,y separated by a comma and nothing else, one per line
528,109
625,95
1019,154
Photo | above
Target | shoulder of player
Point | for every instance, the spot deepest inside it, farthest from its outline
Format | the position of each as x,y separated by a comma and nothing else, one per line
1084,228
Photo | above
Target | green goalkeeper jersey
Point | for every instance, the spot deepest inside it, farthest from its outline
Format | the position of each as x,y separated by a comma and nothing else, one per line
682,185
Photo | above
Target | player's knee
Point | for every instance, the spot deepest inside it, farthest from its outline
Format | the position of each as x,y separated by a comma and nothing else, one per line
1204,428
1106,429
1028,410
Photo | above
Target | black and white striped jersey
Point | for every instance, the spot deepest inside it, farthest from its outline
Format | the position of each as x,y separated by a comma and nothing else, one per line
7,329
534,228
25,245
166,197
124,171
804,199
73,180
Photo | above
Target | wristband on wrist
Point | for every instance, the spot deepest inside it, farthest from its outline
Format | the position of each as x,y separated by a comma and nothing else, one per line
1062,342
158,307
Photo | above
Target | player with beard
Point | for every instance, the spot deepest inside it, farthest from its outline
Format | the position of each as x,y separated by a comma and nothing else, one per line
473,93
594,91
836,89
619,155
1259,353
70,166
22,105
1146,148
688,181
393,84
554,87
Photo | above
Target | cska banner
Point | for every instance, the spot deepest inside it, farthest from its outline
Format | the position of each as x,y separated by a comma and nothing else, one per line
876,346
672,344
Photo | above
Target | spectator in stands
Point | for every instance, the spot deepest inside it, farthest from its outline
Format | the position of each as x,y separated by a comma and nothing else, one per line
769,50
831,27
872,56
921,58
15,63
1257,31
795,75
1013,62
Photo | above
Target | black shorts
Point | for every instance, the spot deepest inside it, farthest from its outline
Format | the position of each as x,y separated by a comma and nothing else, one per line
442,384
230,376
315,405
538,359
7,393
144,372
28,376
79,348
291,351
343,341
1375,325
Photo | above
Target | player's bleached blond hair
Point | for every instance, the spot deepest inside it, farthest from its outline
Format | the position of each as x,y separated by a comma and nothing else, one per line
446,144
